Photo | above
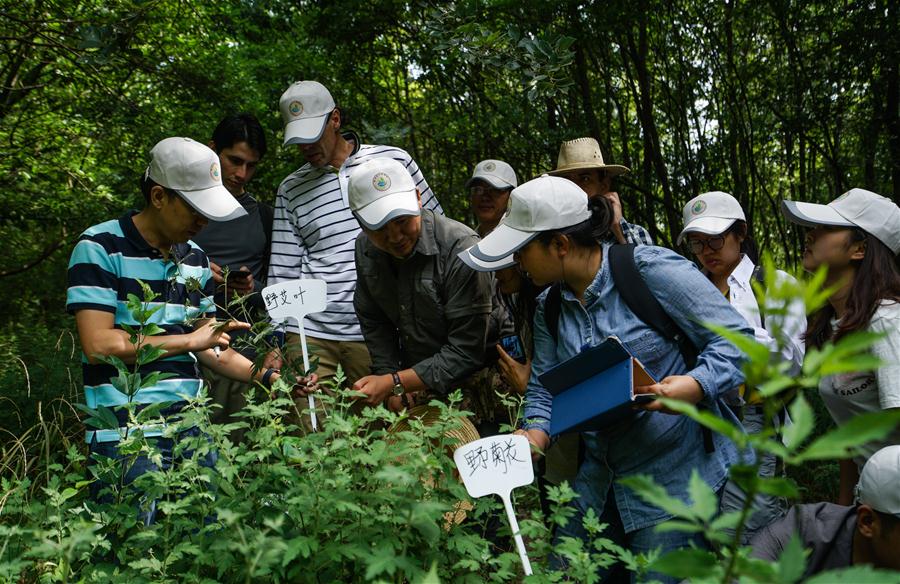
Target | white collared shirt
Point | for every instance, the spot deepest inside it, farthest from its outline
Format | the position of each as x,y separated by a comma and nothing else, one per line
744,301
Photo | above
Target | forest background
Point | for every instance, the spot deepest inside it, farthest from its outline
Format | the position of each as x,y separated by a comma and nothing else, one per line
766,100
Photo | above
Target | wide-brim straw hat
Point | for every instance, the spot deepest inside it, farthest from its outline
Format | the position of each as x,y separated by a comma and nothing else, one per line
584,153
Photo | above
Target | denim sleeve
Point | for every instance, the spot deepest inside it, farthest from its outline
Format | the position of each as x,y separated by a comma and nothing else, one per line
692,300
538,401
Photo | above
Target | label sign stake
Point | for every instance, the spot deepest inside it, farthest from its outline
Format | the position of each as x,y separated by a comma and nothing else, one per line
495,466
296,299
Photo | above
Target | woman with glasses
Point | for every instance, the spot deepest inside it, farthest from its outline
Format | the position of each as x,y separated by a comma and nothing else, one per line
715,231
857,236
556,235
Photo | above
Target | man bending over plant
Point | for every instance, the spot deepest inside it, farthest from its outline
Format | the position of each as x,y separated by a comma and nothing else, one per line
425,315
114,267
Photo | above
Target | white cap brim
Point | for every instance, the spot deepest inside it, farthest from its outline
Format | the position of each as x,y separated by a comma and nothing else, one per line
483,266
374,215
494,181
305,130
813,214
501,243
707,226
215,203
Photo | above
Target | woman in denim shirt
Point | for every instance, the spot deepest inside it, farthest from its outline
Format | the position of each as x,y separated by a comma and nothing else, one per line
555,235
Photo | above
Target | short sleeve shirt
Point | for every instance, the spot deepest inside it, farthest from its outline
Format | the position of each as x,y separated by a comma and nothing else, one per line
850,394
108,264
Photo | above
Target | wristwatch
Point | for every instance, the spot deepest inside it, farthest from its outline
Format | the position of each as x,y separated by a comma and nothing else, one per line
398,385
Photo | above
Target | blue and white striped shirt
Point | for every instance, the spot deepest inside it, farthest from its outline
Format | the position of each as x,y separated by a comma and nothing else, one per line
104,269
314,235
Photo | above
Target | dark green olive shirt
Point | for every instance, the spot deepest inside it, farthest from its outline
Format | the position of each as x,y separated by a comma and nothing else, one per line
430,311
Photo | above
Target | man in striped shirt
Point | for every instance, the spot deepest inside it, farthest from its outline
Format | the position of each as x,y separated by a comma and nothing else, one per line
314,232
183,191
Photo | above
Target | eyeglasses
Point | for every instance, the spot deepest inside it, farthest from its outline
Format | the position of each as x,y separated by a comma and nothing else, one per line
715,243
486,191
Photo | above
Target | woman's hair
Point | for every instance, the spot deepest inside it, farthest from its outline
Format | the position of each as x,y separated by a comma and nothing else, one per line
748,244
521,307
877,278
588,233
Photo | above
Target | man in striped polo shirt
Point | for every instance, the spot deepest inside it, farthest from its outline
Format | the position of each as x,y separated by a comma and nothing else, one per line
183,190
314,231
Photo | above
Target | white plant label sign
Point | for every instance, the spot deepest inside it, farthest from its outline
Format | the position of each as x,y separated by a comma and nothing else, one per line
495,466
296,299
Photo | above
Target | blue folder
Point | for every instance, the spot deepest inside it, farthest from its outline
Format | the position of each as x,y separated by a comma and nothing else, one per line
595,388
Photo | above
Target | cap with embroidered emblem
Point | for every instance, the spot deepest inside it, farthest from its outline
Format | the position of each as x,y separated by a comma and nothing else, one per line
380,190
192,170
495,173
710,213
305,107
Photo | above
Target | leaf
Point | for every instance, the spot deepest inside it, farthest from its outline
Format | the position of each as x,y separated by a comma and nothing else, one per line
755,351
705,501
778,487
687,563
804,421
707,419
846,440
856,575
648,490
792,561
432,576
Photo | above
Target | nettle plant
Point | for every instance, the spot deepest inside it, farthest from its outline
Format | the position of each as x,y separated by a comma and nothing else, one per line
795,444
357,501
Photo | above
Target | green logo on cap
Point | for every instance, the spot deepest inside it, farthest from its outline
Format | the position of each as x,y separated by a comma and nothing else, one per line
698,207
214,171
490,166
296,108
381,182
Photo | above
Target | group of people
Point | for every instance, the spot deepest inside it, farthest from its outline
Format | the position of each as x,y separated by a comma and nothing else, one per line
420,304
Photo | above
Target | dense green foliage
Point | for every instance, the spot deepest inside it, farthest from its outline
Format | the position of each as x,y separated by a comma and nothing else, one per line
766,100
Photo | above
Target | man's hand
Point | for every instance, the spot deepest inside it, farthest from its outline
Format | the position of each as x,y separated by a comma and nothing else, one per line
680,387
539,441
376,388
215,334
516,374
395,402
613,198
239,282
304,385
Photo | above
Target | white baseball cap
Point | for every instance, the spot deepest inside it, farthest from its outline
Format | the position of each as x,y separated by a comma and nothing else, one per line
496,173
191,169
543,204
710,213
381,189
876,215
305,107
879,481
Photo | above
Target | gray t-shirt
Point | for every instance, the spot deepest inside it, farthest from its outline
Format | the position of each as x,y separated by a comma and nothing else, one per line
240,242
850,394
825,529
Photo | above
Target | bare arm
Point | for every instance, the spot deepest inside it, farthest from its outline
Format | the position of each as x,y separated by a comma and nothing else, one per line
99,336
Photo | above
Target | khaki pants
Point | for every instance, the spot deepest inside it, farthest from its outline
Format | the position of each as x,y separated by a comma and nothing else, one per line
231,395
352,356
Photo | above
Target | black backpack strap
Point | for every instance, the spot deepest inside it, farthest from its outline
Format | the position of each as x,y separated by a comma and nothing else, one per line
552,305
643,303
